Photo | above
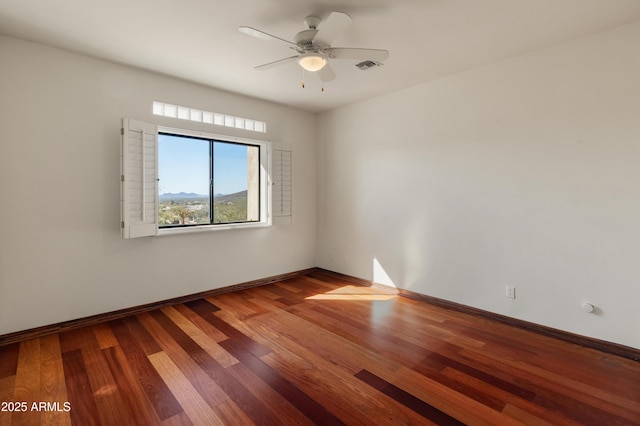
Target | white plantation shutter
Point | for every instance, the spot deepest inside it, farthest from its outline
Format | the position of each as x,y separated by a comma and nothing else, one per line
139,179
282,185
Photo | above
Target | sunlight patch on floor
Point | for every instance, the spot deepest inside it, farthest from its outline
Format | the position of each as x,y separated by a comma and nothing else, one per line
351,292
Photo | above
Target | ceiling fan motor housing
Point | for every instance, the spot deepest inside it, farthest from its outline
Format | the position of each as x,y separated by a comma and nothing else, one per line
305,38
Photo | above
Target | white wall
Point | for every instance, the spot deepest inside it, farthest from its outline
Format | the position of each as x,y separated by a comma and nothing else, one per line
61,255
522,173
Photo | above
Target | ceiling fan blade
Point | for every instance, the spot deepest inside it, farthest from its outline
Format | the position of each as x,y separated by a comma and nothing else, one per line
261,34
326,73
378,55
331,27
276,63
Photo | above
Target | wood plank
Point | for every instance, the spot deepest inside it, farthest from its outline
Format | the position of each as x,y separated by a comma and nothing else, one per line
77,339
83,406
447,400
340,393
27,382
548,394
52,382
202,307
379,340
109,402
134,398
245,400
427,411
268,304
291,332
449,364
180,419
213,333
564,394
141,336
238,304
397,322
264,335
531,414
207,387
321,284
262,293
7,385
104,335
286,296
200,337
314,411
461,383
584,413
192,403
9,360
279,406
232,414
318,370
233,333
582,372
163,401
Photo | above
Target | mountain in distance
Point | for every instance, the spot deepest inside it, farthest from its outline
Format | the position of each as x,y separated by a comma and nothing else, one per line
168,196
231,198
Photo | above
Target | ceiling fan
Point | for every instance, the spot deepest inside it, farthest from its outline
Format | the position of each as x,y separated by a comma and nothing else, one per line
314,46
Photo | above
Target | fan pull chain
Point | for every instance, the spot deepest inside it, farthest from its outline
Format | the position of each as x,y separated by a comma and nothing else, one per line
302,83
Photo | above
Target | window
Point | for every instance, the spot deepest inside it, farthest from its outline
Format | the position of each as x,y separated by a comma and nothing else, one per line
176,181
192,114
206,181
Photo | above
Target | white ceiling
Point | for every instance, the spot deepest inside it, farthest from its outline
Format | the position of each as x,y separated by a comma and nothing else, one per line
198,40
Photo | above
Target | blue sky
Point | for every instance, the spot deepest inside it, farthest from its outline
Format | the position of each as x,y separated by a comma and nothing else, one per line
184,166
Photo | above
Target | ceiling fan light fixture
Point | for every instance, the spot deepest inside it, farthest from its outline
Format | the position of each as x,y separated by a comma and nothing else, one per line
312,61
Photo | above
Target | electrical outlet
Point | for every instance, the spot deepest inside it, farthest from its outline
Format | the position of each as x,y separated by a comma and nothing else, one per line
511,292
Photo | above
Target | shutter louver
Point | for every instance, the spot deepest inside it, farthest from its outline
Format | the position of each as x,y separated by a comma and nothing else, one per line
282,183
139,170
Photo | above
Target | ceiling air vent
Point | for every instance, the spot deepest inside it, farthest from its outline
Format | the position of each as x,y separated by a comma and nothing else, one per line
365,65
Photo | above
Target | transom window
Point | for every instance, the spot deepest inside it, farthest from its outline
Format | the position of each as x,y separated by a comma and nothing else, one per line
208,117
207,181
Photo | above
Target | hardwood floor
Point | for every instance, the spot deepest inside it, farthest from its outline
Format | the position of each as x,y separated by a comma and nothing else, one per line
311,350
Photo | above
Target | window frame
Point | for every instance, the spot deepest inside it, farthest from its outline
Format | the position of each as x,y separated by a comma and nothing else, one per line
263,186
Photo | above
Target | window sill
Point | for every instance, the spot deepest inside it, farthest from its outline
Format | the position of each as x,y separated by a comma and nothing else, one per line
209,228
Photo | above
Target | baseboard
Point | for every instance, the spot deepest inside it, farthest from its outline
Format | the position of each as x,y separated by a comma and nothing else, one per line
46,330
587,342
